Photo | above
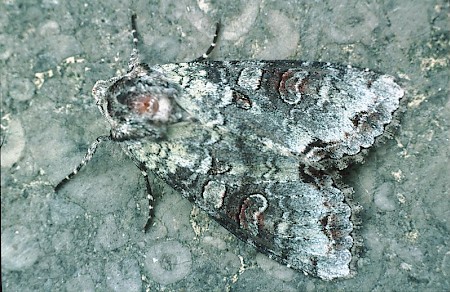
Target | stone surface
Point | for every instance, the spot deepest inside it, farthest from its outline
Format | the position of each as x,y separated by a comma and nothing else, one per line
64,245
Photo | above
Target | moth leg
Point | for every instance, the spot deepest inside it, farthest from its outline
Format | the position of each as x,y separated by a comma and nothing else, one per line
87,157
149,197
211,47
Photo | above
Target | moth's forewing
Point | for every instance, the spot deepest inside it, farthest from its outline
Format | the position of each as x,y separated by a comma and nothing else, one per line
315,110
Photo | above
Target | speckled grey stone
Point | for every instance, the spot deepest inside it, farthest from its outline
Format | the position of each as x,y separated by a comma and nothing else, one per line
404,249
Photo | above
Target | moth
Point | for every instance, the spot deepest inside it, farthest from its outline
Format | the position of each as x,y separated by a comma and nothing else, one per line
258,145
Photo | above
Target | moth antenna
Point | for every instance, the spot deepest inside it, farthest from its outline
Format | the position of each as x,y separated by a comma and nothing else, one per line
87,157
134,58
212,46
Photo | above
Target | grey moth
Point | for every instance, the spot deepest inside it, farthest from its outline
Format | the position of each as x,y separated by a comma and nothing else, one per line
258,145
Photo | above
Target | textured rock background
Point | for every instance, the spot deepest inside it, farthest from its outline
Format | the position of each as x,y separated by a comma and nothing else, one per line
88,237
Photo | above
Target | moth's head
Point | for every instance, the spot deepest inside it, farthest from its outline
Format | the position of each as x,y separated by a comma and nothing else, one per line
138,104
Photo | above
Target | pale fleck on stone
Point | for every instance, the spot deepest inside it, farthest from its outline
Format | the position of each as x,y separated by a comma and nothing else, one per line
398,175
445,265
405,266
412,236
401,198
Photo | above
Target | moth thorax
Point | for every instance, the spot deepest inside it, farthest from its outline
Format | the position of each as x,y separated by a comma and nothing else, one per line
152,106
145,103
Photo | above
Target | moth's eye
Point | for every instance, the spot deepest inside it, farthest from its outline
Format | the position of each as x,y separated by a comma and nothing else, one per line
145,103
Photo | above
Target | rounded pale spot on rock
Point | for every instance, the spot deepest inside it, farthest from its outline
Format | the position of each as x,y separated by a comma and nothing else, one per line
156,231
49,28
384,197
6,51
215,242
241,24
109,236
63,46
21,89
20,248
284,42
229,261
62,212
374,241
274,269
123,276
173,212
310,287
80,283
105,188
14,144
168,262
63,241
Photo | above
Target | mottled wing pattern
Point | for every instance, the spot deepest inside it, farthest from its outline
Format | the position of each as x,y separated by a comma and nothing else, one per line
245,141
257,194
316,110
